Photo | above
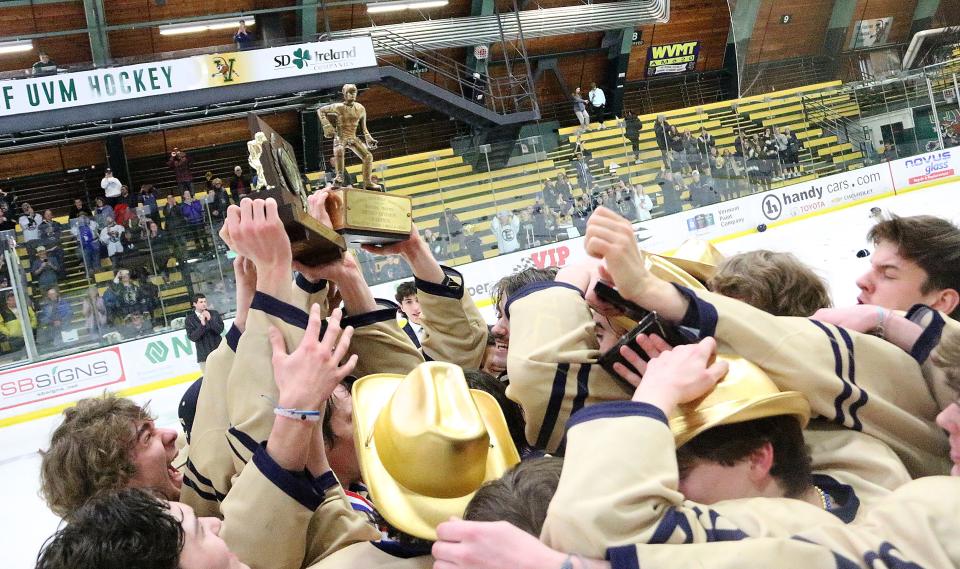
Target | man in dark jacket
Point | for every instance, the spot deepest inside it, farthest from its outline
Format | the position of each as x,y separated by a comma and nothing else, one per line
203,328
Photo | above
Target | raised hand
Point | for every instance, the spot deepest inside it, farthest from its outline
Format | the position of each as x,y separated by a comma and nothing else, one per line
652,344
254,230
610,237
307,376
681,375
490,545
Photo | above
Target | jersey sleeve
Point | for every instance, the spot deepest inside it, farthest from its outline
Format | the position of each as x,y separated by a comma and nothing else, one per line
852,380
455,331
552,360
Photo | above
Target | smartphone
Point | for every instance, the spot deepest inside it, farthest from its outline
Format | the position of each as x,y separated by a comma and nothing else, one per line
647,323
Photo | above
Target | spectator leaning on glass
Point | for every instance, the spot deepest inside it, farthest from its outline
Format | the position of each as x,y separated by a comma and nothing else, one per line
12,325
204,327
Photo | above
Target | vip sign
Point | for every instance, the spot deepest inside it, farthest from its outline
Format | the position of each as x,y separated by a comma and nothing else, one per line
60,377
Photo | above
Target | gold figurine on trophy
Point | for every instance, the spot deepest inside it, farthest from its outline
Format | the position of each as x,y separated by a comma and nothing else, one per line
350,116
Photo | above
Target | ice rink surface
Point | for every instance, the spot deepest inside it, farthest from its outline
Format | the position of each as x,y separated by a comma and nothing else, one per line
827,242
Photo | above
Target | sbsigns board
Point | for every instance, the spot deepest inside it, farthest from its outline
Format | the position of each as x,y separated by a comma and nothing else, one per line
110,84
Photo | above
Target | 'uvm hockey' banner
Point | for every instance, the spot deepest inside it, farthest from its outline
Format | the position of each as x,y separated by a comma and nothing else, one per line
672,58
111,84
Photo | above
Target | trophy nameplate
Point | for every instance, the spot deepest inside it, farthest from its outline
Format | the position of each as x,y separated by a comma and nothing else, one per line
364,216
311,242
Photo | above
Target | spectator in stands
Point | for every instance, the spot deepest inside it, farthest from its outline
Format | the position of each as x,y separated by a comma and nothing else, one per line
792,153
136,325
584,175
239,185
661,131
8,200
94,312
436,243
78,207
204,327
740,144
580,109
642,203
624,199
542,223
563,186
702,192
30,226
222,298
111,236
706,144
45,270
735,173
598,103
581,213
111,187
149,292
473,242
771,153
126,295
54,319
670,192
218,201
526,235
87,233
691,153
128,199
179,162
148,201
192,212
452,229
752,158
7,223
12,325
102,211
243,38
677,162
44,65
50,232
375,180
632,125
506,227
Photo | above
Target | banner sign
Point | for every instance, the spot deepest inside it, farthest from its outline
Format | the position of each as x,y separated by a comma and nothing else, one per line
53,92
672,58
59,377
926,168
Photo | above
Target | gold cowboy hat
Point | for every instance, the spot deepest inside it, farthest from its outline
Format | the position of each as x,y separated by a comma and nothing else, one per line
744,394
669,270
697,257
426,443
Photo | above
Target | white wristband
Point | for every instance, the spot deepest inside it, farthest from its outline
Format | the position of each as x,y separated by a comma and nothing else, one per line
297,414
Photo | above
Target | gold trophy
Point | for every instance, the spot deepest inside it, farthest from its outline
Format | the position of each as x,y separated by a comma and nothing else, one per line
357,216
362,215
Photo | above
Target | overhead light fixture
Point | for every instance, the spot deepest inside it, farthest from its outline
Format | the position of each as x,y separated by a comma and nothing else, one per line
18,46
397,6
205,26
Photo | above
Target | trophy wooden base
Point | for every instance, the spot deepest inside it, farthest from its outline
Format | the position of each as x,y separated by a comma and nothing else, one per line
311,242
370,217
